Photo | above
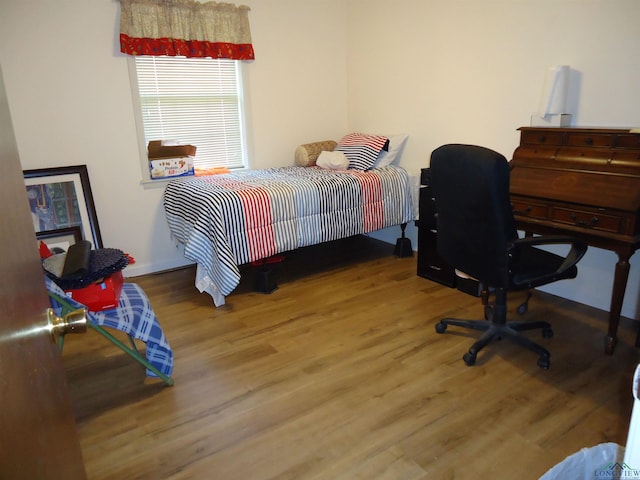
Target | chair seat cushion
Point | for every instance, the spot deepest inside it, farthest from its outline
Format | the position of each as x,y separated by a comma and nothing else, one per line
534,267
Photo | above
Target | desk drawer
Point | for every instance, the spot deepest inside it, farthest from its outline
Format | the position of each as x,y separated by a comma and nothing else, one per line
589,139
541,138
598,220
529,209
631,140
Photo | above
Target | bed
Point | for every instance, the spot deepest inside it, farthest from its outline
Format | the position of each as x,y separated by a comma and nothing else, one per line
224,221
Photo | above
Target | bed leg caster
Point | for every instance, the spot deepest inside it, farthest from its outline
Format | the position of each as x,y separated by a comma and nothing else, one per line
265,281
403,245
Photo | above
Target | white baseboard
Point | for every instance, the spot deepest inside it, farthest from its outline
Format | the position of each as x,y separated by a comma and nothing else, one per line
137,269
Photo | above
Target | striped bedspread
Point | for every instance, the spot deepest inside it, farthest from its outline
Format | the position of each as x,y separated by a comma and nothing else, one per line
227,220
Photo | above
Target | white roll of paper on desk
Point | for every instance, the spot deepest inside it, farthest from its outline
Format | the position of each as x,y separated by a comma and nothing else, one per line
555,90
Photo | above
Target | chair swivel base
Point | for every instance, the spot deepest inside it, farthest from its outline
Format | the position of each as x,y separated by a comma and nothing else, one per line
496,331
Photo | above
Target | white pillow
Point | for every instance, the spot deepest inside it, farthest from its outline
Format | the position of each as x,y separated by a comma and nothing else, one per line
332,160
396,144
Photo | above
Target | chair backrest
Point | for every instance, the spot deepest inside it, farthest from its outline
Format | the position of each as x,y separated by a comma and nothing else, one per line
475,221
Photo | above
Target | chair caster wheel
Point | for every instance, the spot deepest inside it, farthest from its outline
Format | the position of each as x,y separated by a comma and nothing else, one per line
544,363
469,358
524,306
547,333
441,327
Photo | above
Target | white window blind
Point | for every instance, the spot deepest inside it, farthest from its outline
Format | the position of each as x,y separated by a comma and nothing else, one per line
196,101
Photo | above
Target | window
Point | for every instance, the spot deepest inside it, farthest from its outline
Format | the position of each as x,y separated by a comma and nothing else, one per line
195,101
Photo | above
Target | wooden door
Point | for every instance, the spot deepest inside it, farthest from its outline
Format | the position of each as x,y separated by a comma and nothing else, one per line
38,435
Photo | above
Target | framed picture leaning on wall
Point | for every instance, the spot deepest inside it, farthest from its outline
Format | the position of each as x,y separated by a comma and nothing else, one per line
60,198
60,239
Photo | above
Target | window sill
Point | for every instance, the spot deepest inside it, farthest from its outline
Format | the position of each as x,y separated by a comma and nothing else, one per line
148,184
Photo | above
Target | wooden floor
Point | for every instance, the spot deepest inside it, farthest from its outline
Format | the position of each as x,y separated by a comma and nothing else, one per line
339,374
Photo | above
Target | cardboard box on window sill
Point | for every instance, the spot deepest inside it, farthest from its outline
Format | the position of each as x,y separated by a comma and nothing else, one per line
157,150
171,167
167,161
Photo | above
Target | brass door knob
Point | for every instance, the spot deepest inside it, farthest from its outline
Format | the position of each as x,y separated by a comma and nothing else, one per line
72,322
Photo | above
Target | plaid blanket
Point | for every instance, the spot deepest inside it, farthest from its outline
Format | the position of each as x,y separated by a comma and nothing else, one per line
133,316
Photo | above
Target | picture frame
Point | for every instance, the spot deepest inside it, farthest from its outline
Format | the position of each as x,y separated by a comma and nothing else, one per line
59,199
60,239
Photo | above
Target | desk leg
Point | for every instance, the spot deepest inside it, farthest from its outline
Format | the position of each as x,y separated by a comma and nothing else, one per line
617,297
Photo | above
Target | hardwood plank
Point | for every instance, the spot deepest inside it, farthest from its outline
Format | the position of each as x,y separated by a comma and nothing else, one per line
339,374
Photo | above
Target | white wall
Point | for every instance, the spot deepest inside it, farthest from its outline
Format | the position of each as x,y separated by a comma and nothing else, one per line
69,95
472,71
439,70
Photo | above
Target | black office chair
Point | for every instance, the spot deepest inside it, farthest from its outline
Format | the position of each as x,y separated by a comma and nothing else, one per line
477,235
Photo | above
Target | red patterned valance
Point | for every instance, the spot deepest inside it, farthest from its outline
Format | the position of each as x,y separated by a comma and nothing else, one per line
185,28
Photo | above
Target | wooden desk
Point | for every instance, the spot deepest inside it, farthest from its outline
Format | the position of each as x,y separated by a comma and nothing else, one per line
583,182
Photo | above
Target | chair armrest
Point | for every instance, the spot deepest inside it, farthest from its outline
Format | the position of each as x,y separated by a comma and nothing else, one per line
577,251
